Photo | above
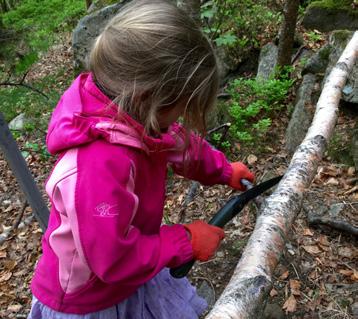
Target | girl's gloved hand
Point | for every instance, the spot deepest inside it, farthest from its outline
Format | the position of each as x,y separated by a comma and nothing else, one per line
205,239
239,172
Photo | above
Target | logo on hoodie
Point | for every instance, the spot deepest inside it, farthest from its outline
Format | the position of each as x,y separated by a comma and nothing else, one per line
105,210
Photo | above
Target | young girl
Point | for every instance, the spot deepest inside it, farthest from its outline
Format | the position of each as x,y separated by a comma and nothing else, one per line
105,252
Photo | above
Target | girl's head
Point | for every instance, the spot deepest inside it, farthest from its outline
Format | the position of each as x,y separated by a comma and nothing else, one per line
156,64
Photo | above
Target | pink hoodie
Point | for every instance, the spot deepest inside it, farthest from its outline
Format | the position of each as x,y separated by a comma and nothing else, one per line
107,190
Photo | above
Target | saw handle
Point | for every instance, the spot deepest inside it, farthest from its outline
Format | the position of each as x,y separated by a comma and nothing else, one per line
220,219
247,184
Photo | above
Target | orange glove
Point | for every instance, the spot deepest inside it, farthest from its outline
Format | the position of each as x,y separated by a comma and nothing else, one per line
205,239
239,172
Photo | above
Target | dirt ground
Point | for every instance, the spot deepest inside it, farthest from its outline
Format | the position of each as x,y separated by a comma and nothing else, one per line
317,276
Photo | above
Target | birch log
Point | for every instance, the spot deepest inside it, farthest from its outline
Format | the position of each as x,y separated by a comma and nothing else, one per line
245,295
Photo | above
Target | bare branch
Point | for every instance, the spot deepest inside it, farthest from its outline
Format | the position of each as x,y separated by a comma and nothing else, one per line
7,83
336,224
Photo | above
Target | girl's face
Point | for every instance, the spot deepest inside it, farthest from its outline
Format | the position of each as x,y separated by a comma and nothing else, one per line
170,114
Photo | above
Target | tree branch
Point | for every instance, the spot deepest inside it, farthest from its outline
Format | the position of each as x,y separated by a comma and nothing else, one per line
336,224
245,295
21,83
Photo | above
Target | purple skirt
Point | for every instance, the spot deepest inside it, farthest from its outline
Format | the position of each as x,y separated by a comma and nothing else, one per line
163,297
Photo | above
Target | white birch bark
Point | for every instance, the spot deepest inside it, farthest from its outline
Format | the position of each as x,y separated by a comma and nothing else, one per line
245,295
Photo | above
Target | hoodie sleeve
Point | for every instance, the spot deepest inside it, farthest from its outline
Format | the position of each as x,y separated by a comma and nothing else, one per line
198,161
100,203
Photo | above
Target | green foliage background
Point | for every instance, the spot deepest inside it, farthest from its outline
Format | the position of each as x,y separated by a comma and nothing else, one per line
37,24
238,26
234,26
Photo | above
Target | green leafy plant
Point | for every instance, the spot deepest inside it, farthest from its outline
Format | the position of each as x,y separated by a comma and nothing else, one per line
314,36
36,24
36,148
253,102
238,25
218,141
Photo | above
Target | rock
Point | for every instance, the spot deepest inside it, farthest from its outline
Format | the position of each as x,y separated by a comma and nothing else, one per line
87,29
338,41
225,63
267,61
205,291
318,62
325,17
350,91
302,115
335,210
273,311
18,123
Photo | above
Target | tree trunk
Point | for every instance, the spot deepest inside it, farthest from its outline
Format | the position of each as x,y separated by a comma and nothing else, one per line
4,6
88,4
192,7
245,295
287,32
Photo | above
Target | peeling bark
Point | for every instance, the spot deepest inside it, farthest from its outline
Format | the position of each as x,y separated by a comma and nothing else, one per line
245,295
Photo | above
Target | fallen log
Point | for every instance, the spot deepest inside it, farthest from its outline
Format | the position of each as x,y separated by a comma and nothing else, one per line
244,296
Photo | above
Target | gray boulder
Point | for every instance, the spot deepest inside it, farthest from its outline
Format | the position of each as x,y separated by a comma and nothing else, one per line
86,31
18,123
338,41
267,61
324,17
302,115
318,62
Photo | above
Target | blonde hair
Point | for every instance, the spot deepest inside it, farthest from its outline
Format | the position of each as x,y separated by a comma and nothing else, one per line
152,55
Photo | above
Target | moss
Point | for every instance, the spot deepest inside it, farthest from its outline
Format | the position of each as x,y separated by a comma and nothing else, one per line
339,149
342,36
333,4
325,52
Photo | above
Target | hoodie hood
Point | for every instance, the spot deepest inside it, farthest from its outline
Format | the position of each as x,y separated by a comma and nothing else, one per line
84,114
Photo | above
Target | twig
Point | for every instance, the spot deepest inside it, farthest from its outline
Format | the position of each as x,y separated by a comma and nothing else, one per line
18,220
21,83
6,233
294,268
223,96
195,185
188,199
191,194
26,86
336,224
223,135
355,188
24,76
351,205
225,126
298,53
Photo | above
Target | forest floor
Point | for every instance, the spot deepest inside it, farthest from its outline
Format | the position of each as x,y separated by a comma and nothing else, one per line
317,276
